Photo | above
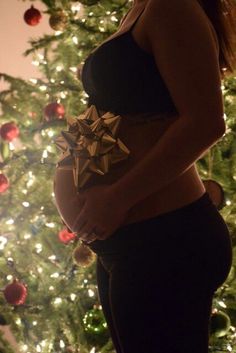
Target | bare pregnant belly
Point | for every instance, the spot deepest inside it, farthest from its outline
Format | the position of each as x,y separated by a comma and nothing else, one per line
139,137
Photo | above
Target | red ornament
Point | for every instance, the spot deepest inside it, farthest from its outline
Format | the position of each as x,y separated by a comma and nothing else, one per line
65,236
54,111
9,131
4,183
15,293
32,16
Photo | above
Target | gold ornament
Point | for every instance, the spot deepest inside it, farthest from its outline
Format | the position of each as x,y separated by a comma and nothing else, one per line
58,20
90,145
83,255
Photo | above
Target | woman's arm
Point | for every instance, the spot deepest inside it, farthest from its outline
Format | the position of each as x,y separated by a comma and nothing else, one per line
176,151
187,58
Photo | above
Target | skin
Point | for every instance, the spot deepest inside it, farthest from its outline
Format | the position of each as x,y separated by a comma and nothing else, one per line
198,128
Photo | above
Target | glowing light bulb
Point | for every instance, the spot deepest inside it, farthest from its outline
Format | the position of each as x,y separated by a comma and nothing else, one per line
40,56
38,247
62,344
222,304
10,221
51,133
75,40
90,293
55,275
63,95
18,321
33,80
52,257
57,301
73,296
43,88
76,7
45,154
50,225
3,242
114,18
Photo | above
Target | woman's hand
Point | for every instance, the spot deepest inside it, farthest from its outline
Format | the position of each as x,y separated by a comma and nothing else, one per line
100,213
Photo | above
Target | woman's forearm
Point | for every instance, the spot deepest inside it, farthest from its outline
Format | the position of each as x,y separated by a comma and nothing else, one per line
177,150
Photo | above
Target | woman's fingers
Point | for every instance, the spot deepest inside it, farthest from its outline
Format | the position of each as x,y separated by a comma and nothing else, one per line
89,238
85,230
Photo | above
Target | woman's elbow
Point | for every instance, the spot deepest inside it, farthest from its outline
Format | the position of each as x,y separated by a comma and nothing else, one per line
218,127
203,131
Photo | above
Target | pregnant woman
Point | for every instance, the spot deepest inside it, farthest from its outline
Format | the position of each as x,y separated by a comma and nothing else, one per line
162,246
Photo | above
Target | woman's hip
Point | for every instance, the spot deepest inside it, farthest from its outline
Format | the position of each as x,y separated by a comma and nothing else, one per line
194,235
199,221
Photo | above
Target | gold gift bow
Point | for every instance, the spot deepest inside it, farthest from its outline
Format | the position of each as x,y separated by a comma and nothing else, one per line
90,145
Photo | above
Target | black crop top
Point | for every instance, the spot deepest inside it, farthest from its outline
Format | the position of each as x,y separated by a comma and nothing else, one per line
121,77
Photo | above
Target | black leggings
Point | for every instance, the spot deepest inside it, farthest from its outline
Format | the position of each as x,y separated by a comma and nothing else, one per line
157,277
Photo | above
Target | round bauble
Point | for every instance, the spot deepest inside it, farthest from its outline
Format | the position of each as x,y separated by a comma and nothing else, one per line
219,324
15,293
58,20
83,256
65,236
94,321
4,183
54,111
9,131
32,16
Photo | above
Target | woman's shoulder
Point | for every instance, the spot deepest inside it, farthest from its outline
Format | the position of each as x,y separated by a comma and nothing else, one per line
174,16
185,52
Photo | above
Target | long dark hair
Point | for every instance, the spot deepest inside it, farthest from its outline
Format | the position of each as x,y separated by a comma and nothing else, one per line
222,14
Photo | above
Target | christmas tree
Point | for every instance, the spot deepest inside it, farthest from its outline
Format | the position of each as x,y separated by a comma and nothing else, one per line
49,300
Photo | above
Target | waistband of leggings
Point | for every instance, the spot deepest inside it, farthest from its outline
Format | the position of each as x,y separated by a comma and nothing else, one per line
164,218
198,204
